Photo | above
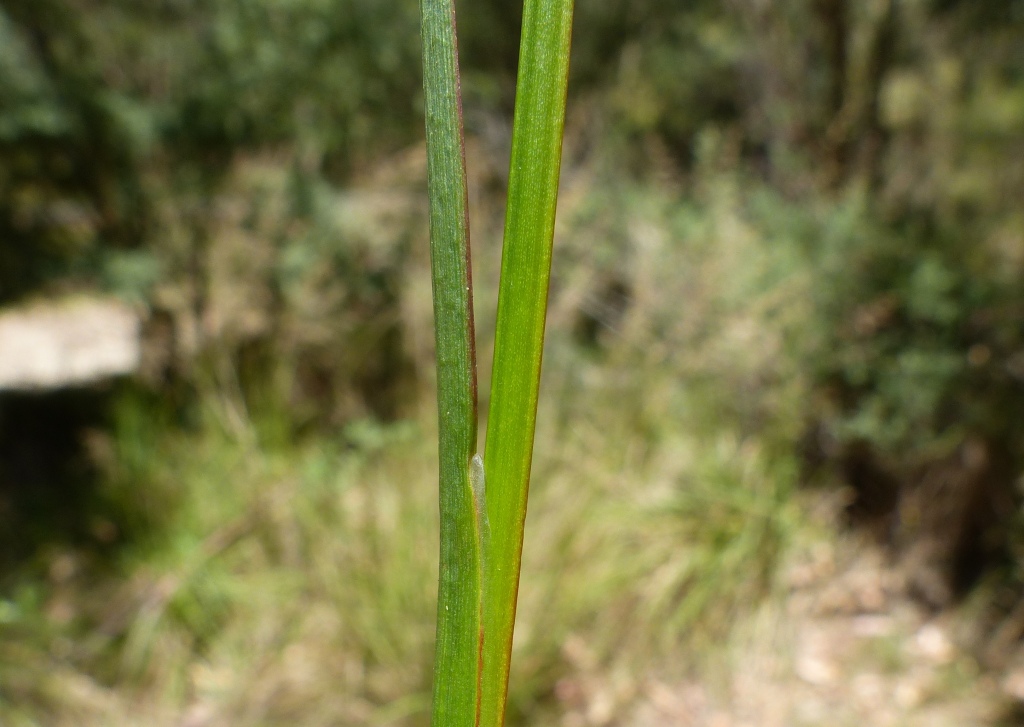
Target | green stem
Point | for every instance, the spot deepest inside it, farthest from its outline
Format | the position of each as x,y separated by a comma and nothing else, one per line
458,657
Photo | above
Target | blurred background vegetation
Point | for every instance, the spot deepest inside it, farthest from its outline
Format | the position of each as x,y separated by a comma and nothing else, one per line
789,271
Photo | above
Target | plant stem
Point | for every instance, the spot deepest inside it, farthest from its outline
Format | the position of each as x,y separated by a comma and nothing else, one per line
457,667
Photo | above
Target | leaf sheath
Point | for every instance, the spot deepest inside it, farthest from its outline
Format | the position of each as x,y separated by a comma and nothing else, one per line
458,657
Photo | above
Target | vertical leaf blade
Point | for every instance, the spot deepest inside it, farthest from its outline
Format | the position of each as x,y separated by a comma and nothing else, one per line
522,306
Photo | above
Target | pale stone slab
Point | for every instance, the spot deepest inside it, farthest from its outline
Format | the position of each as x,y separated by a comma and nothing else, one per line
67,343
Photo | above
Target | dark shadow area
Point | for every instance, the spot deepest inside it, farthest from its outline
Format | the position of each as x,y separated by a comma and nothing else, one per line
948,521
1012,716
48,484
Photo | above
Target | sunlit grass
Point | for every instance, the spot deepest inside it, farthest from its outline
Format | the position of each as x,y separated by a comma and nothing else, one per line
298,584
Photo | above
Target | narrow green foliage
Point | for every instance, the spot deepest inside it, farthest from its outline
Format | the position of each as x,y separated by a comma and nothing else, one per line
482,525
459,626
519,339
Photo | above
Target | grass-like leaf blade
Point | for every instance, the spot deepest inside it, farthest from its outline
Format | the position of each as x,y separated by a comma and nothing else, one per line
522,305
